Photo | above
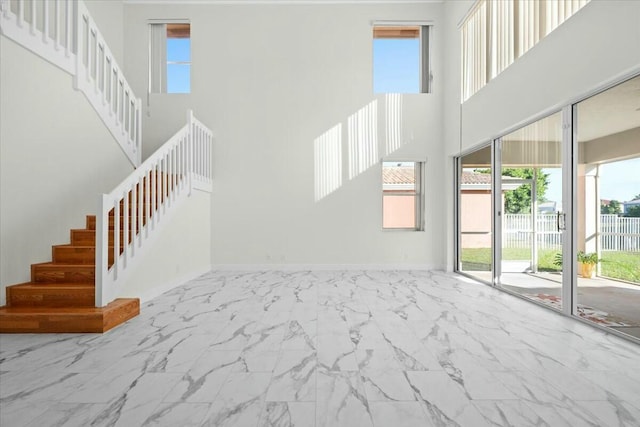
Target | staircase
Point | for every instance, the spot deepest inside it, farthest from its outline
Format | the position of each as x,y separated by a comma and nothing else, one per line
61,294
77,291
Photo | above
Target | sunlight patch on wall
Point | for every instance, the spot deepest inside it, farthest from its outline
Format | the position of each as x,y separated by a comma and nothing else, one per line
393,119
327,155
363,139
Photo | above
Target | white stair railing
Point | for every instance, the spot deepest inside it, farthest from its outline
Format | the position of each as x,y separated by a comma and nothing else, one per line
100,78
133,212
64,33
45,28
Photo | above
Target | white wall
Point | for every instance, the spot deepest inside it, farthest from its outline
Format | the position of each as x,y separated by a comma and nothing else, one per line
270,80
179,252
56,157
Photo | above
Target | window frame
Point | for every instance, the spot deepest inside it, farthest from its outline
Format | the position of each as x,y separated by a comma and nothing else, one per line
418,193
425,75
163,75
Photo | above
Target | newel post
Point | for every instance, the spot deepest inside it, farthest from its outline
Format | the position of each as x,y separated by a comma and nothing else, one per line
139,132
102,251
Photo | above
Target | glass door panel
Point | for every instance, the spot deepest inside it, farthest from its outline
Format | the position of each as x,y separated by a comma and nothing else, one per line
475,215
608,208
531,217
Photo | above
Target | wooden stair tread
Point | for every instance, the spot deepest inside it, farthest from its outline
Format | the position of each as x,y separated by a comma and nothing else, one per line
73,311
39,294
60,272
61,285
68,319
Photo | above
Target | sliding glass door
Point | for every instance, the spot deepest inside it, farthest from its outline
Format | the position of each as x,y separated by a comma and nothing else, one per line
551,210
608,208
530,214
475,214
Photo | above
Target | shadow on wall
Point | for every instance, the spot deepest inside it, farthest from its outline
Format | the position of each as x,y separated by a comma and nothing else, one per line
362,138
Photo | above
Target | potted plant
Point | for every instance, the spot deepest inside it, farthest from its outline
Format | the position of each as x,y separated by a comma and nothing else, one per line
588,263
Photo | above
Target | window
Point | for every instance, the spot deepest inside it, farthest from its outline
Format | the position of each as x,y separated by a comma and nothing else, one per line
402,195
170,58
401,59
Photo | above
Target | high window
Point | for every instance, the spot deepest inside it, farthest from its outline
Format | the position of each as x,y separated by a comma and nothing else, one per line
170,58
496,33
402,195
401,59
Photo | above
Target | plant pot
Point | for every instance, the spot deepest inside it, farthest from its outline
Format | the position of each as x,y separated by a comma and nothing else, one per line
587,270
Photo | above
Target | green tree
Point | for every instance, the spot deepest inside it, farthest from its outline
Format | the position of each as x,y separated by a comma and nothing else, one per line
519,200
613,208
633,211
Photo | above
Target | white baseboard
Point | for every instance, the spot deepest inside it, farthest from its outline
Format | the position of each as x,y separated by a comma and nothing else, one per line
322,267
166,287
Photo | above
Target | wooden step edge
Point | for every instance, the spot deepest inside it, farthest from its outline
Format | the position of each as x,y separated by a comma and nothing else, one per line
50,272
68,320
58,265
74,285
51,295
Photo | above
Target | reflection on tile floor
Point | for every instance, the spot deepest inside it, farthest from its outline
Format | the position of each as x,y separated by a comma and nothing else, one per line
366,348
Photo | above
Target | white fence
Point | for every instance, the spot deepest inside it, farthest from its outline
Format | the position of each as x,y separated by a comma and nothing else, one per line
616,233
130,215
63,33
619,233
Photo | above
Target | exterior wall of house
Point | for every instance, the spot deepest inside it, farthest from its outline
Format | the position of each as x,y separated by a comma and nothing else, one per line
275,82
398,212
593,48
56,158
475,219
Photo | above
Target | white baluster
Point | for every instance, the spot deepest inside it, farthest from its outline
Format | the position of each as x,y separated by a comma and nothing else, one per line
116,237
190,148
56,24
126,226
33,17
154,195
68,22
45,22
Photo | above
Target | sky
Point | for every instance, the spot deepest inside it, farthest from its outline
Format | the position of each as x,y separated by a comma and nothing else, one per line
396,66
178,75
618,181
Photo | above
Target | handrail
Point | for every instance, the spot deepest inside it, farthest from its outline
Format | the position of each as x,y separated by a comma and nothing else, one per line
64,33
131,214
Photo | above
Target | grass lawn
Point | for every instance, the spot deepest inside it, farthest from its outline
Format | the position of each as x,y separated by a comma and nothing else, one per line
479,259
621,265
617,265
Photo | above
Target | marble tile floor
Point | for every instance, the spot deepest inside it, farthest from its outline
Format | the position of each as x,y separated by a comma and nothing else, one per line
342,348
